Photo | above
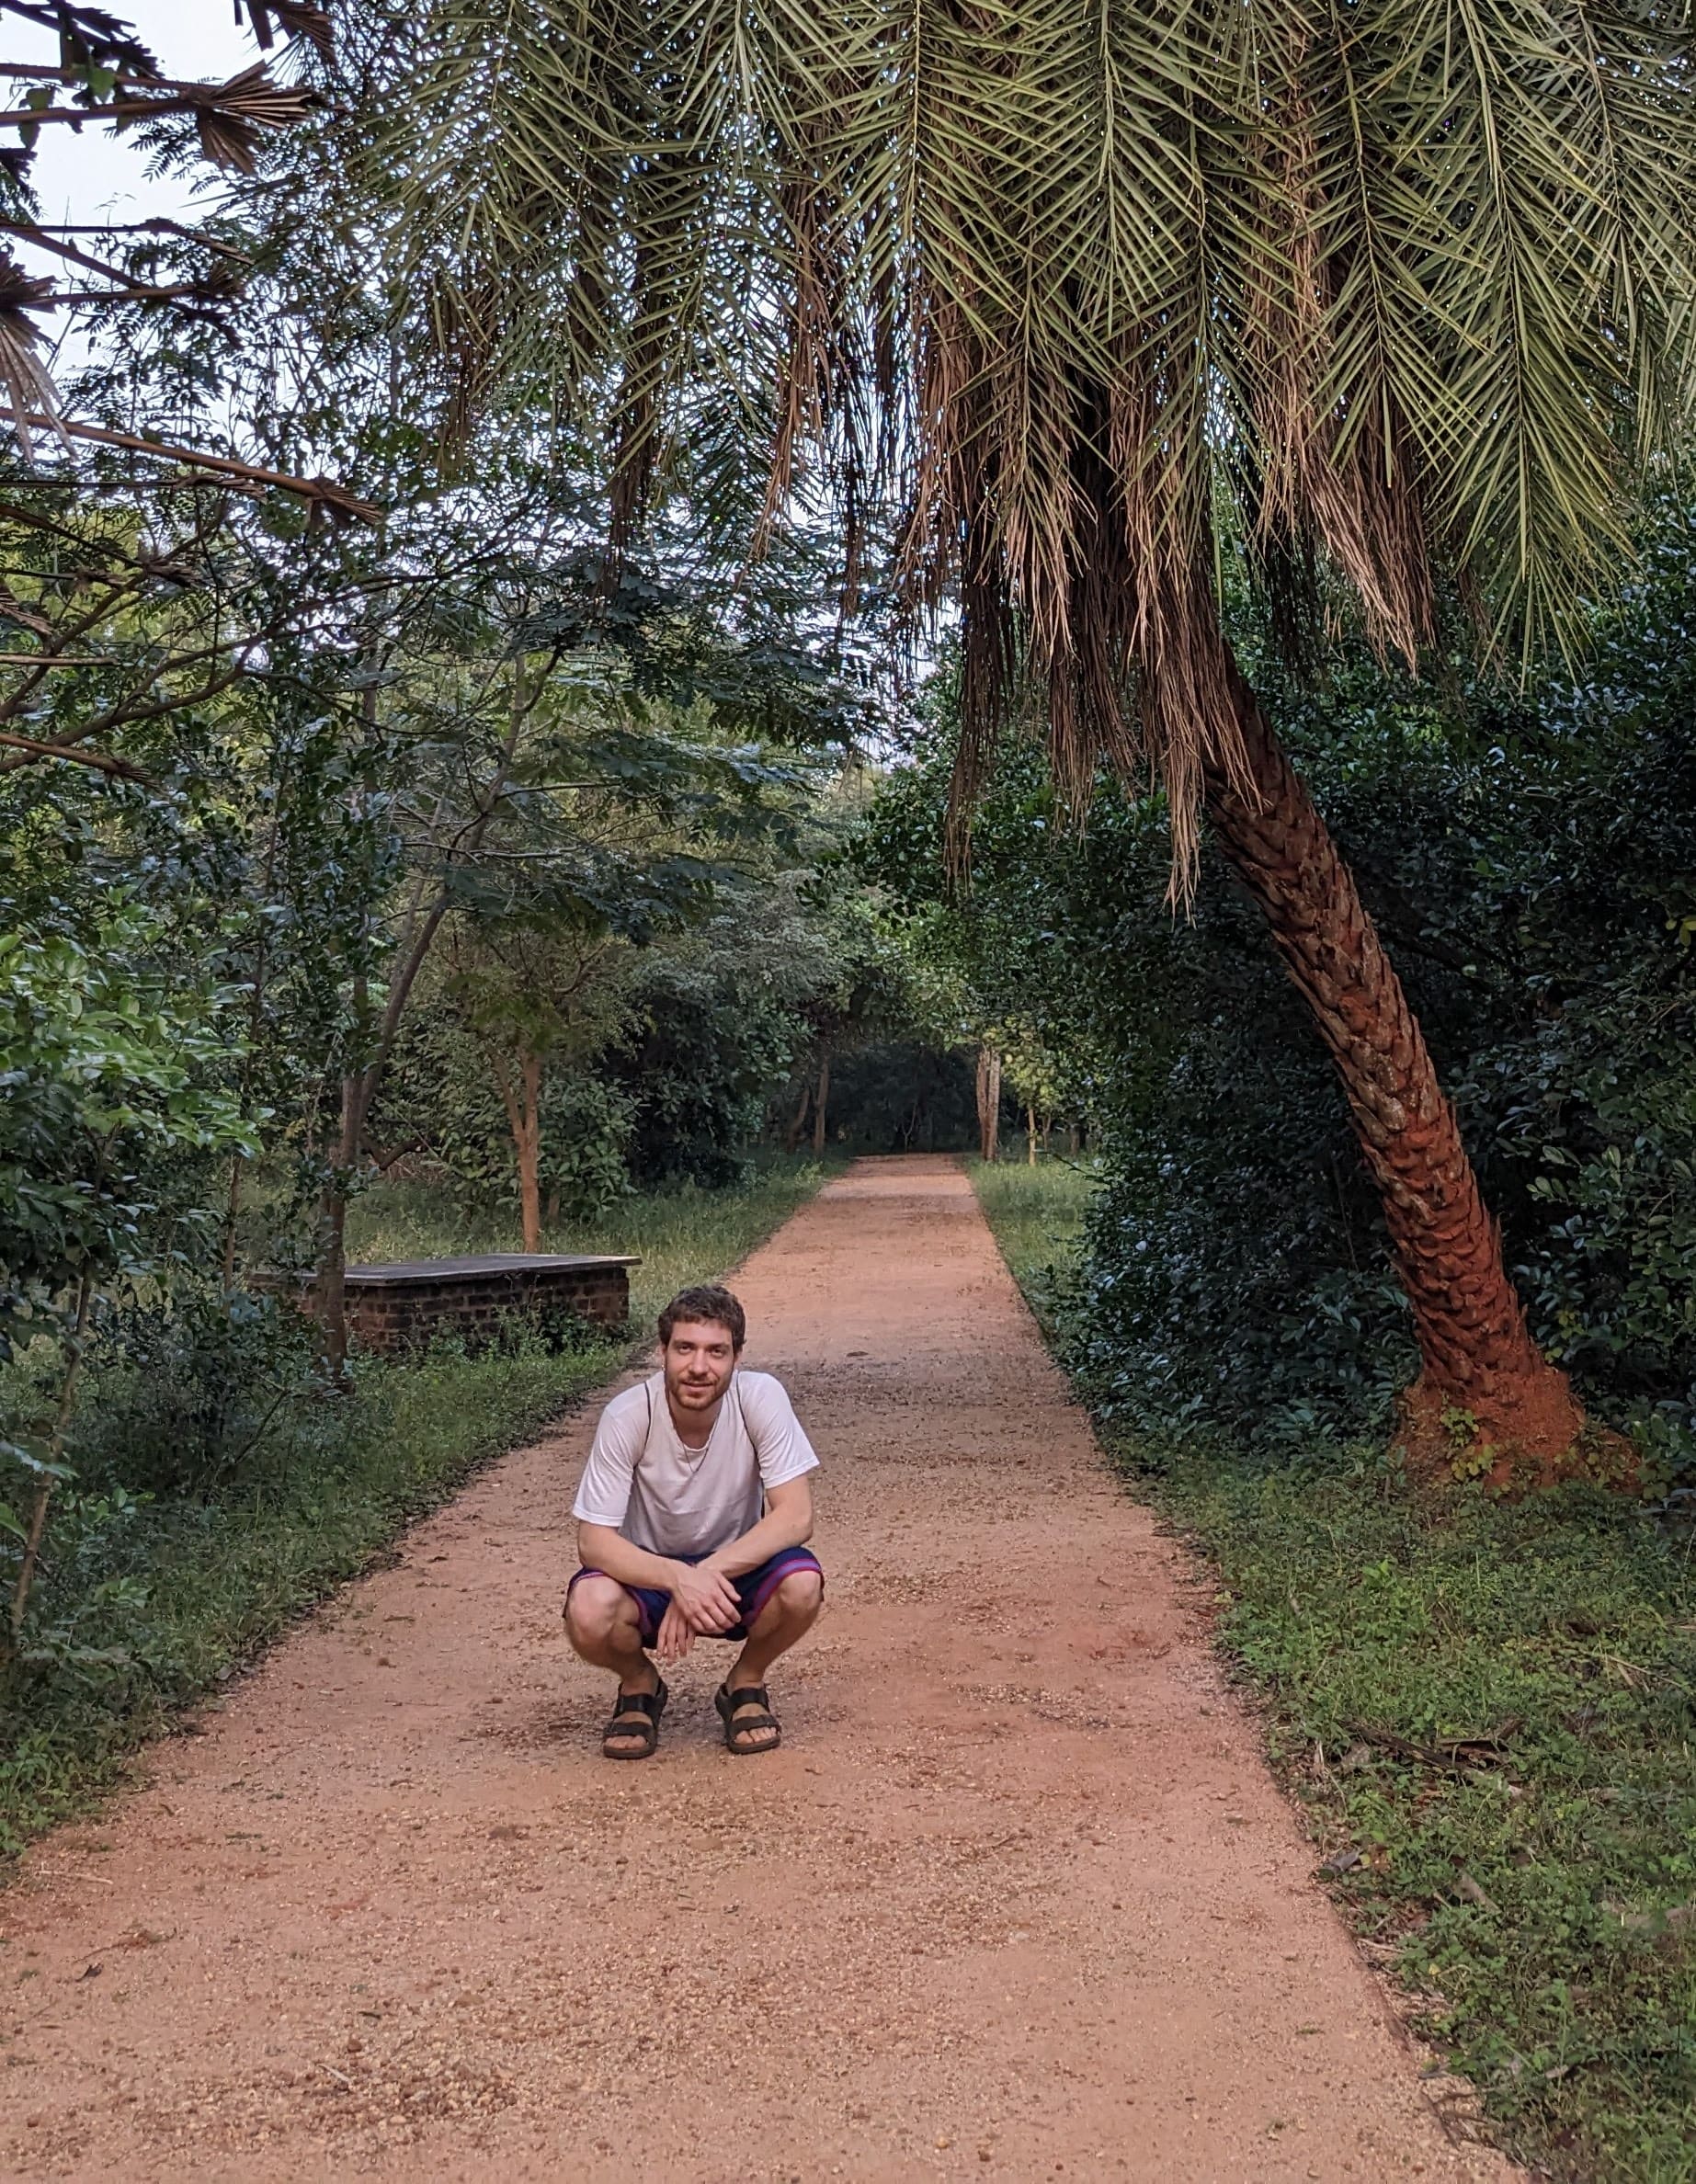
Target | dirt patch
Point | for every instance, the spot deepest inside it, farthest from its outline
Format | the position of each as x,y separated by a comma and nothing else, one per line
1017,1897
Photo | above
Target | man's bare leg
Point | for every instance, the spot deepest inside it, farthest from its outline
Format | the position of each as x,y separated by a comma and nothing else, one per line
605,1629
786,1617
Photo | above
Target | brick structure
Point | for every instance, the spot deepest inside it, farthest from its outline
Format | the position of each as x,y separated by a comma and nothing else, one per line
404,1305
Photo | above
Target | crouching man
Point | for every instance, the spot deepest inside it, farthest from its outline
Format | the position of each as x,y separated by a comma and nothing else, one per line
693,1515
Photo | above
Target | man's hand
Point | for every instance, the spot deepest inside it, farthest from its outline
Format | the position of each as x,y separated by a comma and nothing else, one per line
676,1635
706,1597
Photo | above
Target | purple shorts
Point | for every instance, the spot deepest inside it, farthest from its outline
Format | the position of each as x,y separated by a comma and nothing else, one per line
753,1588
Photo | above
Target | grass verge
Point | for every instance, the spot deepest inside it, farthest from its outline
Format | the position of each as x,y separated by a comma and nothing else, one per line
153,1596
1485,1711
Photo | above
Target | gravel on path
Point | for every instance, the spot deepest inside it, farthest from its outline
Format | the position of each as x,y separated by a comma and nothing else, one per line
1017,1898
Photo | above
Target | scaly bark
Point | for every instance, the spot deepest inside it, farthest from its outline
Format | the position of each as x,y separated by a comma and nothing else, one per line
1477,1355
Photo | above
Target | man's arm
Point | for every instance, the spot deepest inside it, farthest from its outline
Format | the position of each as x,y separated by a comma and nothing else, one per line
788,1522
700,1589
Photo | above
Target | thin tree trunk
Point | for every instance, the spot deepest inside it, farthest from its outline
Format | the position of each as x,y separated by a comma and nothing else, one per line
522,1100
821,1101
988,1103
530,1156
232,1215
1030,1136
1479,1363
798,1121
331,1280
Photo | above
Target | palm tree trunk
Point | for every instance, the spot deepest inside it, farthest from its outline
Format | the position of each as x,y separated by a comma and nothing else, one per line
1482,1377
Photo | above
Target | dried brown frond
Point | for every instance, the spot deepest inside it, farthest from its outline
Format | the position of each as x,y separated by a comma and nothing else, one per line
297,19
230,117
25,380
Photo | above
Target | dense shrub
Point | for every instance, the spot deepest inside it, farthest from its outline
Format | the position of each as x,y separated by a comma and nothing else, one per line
186,1395
1532,865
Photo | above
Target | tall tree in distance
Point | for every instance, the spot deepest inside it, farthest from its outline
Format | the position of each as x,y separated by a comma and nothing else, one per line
1083,300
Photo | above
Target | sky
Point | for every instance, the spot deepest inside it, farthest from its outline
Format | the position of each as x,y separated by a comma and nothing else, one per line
94,175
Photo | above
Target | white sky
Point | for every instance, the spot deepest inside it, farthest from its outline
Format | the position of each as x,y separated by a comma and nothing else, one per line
92,174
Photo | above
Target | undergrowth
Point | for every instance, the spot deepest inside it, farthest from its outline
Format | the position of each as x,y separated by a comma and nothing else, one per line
1486,1713
163,1582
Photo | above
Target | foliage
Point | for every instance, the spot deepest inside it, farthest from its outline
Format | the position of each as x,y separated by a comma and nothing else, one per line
1533,1888
114,1073
1528,859
1066,298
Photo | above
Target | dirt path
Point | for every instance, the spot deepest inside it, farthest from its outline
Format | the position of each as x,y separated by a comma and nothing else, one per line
1017,1898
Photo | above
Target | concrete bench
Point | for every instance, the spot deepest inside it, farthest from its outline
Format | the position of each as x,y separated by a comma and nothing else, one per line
404,1305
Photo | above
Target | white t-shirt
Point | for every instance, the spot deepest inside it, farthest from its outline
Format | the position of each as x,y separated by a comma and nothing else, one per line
642,1482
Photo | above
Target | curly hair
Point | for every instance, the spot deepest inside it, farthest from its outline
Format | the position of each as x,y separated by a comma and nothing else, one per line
708,1302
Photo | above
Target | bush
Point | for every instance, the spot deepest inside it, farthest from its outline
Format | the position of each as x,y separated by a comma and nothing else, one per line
1531,863
183,1397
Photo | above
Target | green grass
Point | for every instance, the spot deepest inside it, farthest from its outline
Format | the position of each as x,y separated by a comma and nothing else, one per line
680,1235
1537,1893
150,1600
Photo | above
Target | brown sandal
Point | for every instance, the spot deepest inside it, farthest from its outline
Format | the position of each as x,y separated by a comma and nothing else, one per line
750,1708
637,1713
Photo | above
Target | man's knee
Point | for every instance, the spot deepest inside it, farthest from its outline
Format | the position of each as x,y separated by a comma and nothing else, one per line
799,1595
594,1609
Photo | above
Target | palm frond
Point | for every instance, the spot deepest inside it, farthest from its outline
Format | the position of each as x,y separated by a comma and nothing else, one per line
1064,291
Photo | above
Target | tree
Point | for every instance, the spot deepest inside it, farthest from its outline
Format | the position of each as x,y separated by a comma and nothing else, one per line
1391,301
111,1073
535,994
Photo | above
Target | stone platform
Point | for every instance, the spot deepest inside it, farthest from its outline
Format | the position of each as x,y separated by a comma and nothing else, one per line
404,1305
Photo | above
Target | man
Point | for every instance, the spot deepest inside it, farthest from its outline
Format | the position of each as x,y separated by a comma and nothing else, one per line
692,1516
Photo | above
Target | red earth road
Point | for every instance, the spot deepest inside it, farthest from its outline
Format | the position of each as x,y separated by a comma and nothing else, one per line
1017,1897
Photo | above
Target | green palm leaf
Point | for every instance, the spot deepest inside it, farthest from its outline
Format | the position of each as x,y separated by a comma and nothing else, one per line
1071,292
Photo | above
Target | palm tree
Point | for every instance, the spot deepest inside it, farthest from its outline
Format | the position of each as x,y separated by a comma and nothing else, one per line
1083,296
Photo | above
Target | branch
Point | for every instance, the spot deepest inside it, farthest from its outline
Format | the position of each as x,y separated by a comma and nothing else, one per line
33,230
120,717
204,291
101,761
334,496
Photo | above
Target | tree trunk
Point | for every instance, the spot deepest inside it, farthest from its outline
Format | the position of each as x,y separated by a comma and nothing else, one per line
988,1103
522,1101
231,1216
821,1101
1030,1136
530,1156
1483,1385
798,1121
330,1282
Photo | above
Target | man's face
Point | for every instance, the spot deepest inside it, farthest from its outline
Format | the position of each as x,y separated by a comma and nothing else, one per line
700,1359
